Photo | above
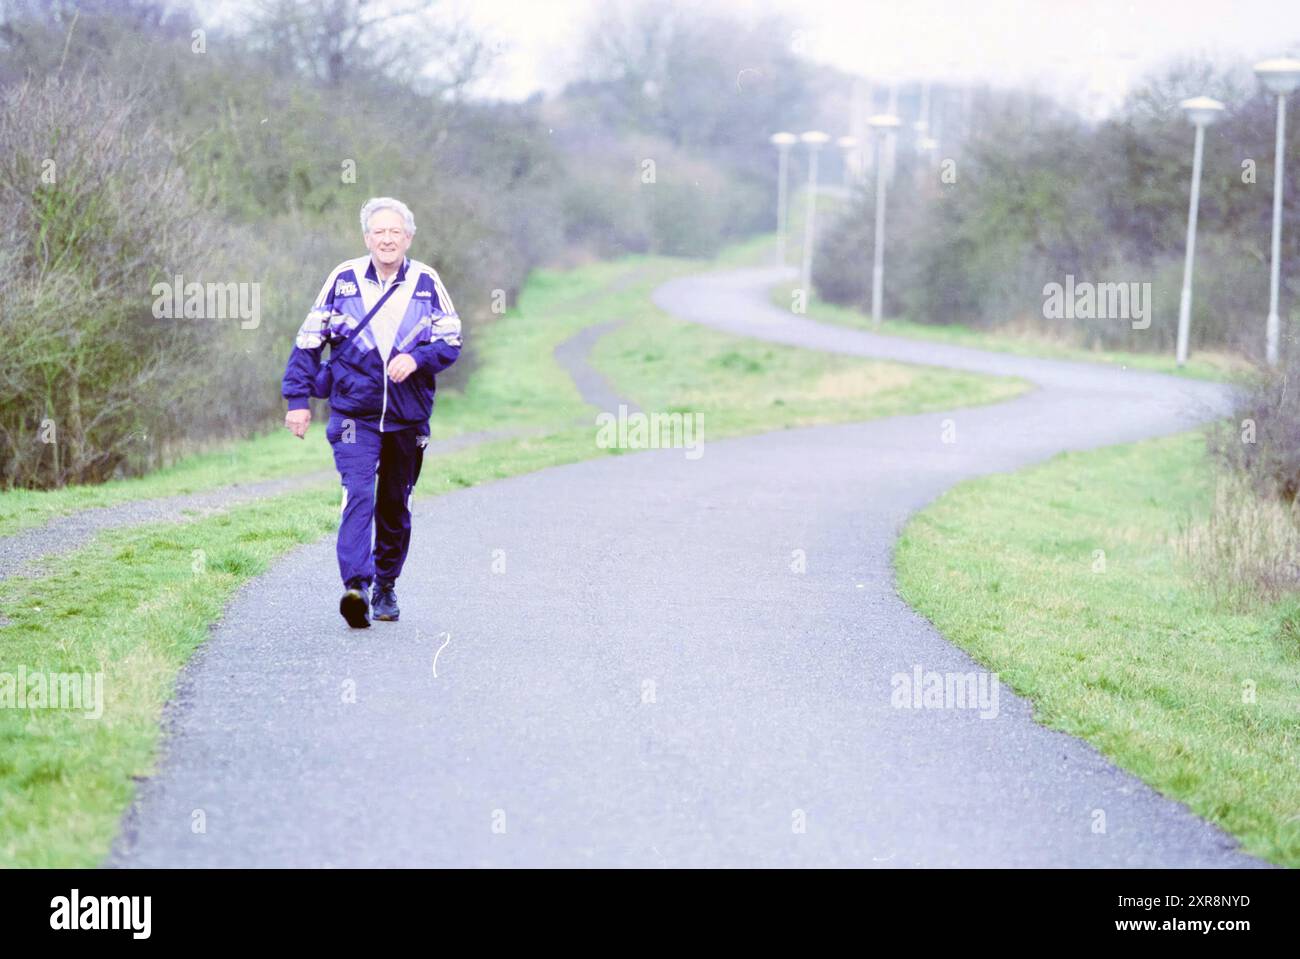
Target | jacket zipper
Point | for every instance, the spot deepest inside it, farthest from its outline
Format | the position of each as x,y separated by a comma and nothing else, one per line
383,372
383,361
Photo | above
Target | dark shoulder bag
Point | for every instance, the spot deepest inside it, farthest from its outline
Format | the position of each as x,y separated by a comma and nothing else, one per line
324,382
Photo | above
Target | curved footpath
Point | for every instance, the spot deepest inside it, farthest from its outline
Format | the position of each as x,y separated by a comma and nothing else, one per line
628,671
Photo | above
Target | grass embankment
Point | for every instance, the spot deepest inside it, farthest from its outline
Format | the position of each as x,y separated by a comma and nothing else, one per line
136,602
1204,365
249,461
1124,647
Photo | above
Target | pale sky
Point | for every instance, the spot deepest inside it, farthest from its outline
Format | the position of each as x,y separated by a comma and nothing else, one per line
1087,51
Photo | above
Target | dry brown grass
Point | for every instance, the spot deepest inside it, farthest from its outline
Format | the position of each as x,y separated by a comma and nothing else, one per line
859,381
1247,548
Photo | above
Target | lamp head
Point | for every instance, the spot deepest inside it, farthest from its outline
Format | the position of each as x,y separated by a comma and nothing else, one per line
1280,75
1202,111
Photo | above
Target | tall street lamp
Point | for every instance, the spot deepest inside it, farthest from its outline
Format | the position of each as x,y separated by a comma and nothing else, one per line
1279,76
884,124
782,141
849,145
922,124
813,139
1201,111
892,110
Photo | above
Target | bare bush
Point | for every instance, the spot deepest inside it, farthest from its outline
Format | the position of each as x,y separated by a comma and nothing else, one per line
97,212
1262,442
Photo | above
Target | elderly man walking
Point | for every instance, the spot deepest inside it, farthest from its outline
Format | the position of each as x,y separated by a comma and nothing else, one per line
391,328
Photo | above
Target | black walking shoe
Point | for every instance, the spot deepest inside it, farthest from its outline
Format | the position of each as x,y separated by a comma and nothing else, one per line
384,601
355,609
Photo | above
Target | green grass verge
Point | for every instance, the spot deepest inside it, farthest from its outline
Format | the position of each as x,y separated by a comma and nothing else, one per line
1203,365
1132,655
249,461
135,603
739,386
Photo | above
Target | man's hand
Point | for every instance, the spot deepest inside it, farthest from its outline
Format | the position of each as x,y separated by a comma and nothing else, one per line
400,367
297,421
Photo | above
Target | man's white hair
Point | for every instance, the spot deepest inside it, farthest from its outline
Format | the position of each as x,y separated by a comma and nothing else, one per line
375,204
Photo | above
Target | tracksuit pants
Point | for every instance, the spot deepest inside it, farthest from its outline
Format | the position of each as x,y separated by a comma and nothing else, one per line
378,471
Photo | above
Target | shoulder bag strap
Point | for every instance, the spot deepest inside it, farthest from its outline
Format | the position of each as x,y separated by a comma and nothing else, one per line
335,348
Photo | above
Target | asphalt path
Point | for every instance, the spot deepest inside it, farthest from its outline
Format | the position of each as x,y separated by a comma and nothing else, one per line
664,661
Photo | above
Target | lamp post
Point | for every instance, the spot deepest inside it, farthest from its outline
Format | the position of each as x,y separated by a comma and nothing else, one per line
922,124
813,139
849,146
858,110
782,141
892,110
1201,112
926,145
884,124
1279,76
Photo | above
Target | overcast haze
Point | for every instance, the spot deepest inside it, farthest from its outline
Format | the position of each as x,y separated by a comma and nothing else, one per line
1085,51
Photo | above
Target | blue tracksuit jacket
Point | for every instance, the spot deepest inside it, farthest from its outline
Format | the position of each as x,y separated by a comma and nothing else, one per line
429,330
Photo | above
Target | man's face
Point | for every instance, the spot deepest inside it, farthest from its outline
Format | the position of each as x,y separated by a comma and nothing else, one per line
387,239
